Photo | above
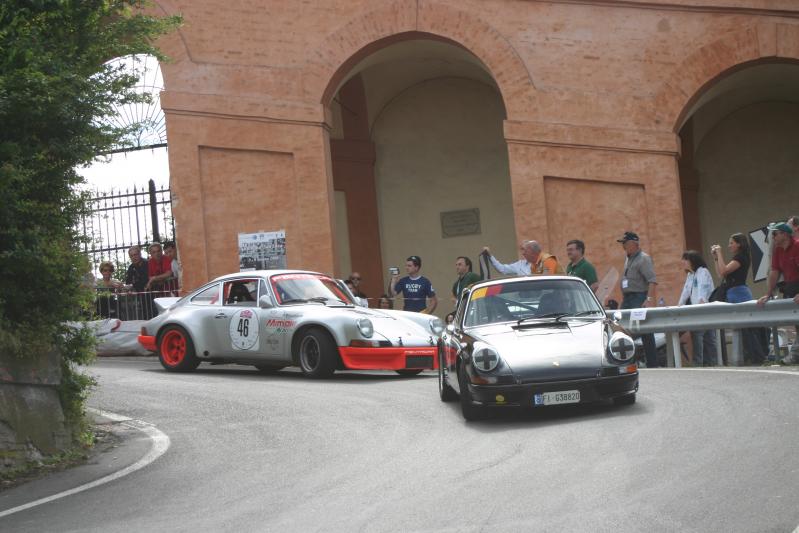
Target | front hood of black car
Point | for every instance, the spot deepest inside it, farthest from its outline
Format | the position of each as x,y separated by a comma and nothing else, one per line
557,351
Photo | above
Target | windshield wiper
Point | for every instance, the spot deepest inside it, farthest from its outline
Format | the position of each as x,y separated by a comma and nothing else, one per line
304,300
556,316
586,313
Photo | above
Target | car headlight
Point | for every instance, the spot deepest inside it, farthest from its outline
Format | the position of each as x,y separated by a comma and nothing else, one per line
437,326
485,358
365,327
621,348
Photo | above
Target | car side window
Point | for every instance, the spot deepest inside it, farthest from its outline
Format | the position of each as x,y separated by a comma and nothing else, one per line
208,296
461,307
241,292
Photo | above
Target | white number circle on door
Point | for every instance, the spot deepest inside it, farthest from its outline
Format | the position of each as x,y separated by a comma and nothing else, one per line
244,330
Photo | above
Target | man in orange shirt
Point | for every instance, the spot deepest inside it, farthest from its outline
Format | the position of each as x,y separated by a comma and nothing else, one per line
534,262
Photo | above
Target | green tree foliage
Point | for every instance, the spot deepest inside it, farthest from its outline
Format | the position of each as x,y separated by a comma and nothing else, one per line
55,90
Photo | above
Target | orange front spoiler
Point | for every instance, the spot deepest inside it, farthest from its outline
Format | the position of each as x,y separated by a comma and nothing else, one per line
389,358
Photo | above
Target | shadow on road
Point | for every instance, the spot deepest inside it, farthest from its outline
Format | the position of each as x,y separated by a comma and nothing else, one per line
248,372
503,419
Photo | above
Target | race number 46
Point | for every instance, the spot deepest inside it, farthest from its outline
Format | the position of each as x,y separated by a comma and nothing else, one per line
244,330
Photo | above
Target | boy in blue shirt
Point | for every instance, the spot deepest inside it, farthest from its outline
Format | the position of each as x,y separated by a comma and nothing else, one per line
415,288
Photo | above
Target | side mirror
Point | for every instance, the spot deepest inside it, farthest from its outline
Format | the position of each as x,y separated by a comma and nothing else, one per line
264,302
617,316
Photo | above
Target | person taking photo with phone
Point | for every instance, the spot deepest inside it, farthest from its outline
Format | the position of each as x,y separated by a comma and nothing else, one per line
416,289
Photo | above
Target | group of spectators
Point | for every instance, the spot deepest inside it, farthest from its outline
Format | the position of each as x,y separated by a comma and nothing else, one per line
638,284
145,279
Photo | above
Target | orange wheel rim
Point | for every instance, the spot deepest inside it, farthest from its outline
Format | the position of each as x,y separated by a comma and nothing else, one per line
173,347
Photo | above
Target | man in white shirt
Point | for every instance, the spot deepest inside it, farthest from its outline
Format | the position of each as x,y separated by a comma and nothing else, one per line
533,262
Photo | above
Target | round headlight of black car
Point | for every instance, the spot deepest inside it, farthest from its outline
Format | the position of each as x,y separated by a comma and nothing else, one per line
485,358
621,348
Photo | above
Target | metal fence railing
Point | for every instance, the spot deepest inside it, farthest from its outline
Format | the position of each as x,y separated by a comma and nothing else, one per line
126,305
118,220
711,316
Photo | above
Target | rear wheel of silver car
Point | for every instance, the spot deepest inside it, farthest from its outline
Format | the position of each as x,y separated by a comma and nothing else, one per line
409,371
445,392
624,400
176,350
317,354
469,410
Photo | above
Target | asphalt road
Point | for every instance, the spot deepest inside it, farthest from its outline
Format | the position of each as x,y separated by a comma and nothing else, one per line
700,451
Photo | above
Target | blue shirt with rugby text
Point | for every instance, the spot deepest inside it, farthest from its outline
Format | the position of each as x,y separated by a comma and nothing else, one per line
415,292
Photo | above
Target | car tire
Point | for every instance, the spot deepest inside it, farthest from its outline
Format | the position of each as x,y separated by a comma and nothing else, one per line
176,350
267,369
317,354
470,411
628,399
445,392
409,371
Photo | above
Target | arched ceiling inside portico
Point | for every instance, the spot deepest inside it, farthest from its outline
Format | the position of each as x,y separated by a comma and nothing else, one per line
397,67
768,82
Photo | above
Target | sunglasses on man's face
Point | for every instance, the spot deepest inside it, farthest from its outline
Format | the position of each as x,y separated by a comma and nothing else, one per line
355,279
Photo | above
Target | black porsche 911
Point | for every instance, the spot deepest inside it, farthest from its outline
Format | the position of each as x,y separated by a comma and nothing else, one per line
534,342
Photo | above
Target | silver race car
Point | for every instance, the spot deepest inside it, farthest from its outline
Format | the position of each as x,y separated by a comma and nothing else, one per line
534,342
271,319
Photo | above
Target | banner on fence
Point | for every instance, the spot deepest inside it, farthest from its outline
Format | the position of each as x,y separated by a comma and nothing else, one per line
262,251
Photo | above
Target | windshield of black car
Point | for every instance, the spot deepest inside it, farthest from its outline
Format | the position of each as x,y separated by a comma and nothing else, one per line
300,288
525,300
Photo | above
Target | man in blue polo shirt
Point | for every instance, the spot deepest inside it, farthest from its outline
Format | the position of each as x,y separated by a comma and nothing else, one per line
415,288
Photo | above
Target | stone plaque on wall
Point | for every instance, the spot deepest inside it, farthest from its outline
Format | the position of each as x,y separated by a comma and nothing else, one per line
459,223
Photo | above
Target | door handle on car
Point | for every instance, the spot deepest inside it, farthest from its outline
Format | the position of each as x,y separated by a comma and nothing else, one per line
220,315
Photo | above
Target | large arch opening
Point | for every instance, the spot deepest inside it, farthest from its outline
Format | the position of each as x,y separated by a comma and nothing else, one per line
740,154
420,164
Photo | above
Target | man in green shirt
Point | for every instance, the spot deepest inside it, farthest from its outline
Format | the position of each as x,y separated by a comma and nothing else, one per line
463,266
579,266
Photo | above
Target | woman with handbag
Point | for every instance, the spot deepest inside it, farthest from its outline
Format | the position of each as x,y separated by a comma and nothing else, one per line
697,289
733,276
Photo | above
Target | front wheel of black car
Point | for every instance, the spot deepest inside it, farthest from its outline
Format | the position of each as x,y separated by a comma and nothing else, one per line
445,392
624,400
470,411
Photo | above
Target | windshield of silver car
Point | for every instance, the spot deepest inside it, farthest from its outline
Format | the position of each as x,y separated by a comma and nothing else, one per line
290,289
530,299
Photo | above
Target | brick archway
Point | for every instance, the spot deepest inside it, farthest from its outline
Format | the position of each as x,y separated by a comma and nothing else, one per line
766,42
403,20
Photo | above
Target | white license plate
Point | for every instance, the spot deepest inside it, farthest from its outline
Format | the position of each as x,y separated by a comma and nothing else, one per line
557,398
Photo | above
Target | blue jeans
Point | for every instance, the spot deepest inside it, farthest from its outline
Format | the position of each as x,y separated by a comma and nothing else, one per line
704,343
739,294
755,345
634,300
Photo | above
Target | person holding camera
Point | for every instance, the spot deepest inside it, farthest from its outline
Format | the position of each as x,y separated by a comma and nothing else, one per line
733,274
415,288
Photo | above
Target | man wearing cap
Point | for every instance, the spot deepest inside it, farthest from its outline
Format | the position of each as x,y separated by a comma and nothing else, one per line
534,262
785,261
415,288
639,287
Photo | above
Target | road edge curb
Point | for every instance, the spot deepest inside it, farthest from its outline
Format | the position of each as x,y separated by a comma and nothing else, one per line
160,444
